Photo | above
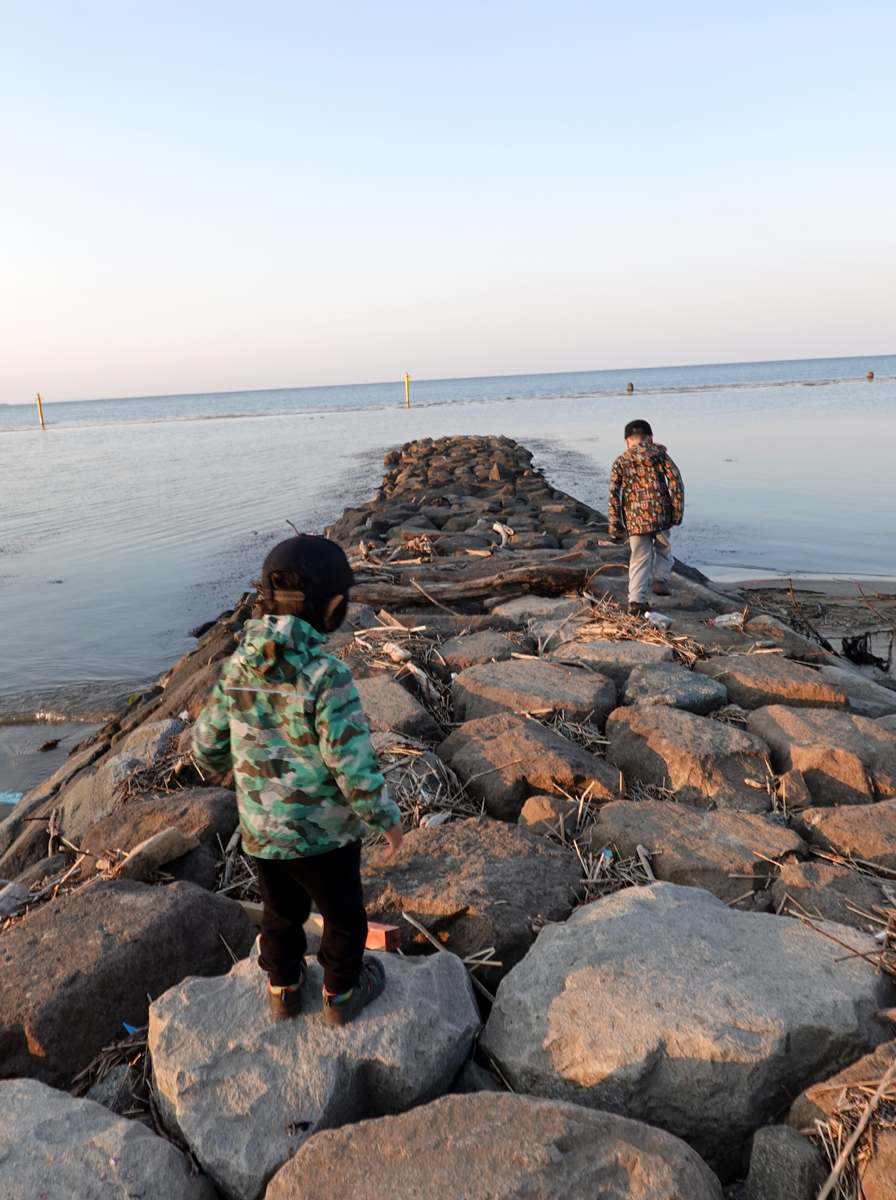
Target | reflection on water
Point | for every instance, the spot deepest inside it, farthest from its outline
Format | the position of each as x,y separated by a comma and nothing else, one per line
121,531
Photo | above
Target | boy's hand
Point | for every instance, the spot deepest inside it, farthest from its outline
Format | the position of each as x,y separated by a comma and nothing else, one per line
394,837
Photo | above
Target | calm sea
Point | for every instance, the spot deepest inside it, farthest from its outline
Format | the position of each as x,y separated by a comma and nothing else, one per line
127,522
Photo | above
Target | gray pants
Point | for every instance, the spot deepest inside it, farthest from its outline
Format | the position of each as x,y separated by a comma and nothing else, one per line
649,556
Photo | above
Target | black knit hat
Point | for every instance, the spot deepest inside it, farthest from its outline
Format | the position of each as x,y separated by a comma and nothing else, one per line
633,428
320,564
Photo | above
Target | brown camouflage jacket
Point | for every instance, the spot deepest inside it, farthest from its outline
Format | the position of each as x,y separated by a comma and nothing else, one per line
646,492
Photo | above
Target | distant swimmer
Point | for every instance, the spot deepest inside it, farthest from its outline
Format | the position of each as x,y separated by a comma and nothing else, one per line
870,375
630,387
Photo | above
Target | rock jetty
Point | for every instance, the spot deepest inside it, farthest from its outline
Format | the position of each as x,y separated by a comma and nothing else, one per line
645,908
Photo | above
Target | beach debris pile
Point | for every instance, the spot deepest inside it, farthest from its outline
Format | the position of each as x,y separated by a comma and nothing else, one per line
646,901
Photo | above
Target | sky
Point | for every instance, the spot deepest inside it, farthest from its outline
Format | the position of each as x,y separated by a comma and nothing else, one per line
220,196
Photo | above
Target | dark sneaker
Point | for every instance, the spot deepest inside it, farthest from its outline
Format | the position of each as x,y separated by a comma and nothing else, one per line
341,1010
661,589
286,1002
636,609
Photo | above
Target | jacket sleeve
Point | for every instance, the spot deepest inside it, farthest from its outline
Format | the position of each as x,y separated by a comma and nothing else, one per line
676,491
615,517
211,735
345,745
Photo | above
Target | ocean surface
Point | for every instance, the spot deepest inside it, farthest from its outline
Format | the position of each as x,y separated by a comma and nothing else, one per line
125,523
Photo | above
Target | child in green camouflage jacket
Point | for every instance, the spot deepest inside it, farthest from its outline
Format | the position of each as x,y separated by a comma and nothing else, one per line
287,718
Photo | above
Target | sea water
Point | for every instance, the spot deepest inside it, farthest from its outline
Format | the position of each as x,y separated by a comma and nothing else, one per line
127,522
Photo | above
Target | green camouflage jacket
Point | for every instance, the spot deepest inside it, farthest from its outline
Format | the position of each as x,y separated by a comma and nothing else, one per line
646,492
287,718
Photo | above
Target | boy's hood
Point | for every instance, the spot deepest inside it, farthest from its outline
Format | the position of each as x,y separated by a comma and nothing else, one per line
276,648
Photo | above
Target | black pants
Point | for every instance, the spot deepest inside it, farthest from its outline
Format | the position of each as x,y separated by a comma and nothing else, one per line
333,882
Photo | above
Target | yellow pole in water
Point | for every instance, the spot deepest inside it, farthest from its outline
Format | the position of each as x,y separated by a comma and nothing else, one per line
407,389
40,412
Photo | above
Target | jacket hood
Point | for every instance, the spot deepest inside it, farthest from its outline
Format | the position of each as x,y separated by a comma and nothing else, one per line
276,648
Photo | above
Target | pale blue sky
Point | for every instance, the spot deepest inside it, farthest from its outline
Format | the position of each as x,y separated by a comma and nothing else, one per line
217,196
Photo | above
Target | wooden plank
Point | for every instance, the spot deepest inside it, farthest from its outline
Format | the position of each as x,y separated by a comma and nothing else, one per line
379,936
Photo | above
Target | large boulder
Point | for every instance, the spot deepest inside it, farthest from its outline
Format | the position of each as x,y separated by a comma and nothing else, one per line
504,759
616,660
533,686
388,707
704,762
820,889
497,1147
474,884
209,814
245,1091
860,831
696,848
533,608
866,697
80,965
663,1004
669,683
844,759
52,1144
757,680
488,645
784,1166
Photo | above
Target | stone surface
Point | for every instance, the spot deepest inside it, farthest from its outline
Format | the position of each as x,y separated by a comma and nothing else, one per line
616,660
207,813
820,889
80,965
766,628
533,686
497,1147
529,608
486,646
820,1101
696,848
542,814
245,1091
862,831
866,697
784,1166
53,1145
504,759
474,884
706,1016
704,762
757,680
388,707
669,683
844,759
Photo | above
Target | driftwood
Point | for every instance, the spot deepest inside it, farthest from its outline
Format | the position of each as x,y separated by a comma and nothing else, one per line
155,852
544,578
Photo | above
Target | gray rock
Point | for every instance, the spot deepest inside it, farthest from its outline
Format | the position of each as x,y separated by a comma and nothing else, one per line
245,1091
784,1166
616,660
536,686
756,680
489,645
821,1100
765,628
13,898
528,608
887,723
696,848
207,813
669,683
542,814
475,884
504,759
389,708
862,831
704,762
844,759
54,1145
706,1016
497,1147
80,965
474,1079
94,794
866,697
824,890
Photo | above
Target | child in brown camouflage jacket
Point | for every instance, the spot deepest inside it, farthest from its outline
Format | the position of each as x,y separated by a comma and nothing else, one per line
646,500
